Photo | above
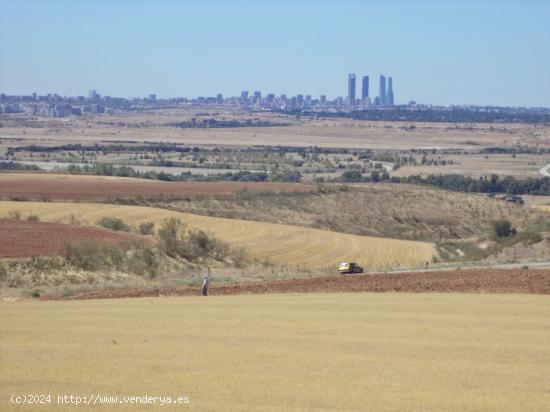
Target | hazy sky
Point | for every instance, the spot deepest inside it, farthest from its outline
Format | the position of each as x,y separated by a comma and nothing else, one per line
445,52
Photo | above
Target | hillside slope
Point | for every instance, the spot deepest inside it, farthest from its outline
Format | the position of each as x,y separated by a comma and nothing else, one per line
275,243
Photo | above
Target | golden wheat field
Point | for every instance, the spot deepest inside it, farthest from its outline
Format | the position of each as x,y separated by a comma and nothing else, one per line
293,352
276,243
544,208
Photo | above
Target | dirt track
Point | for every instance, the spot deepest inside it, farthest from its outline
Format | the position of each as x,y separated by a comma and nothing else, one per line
463,281
24,239
30,186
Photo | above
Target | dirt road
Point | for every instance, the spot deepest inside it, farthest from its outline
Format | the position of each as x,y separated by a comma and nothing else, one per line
462,281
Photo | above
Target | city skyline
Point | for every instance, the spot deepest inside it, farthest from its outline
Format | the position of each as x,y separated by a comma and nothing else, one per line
193,49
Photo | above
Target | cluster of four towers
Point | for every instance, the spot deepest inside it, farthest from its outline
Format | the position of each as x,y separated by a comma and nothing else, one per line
385,95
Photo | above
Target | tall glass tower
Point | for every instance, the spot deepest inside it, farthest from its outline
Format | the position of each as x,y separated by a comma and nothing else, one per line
382,94
351,89
389,96
365,89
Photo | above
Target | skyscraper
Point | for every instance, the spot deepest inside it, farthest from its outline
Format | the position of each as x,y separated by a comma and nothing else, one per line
365,89
382,93
390,92
351,89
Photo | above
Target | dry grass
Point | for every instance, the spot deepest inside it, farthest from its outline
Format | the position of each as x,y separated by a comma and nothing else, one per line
520,166
344,352
154,127
279,244
385,210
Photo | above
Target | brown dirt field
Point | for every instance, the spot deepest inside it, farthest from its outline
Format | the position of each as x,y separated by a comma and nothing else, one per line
457,281
31,186
25,239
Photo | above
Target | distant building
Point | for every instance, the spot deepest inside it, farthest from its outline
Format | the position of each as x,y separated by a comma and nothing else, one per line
323,99
351,89
382,93
389,97
92,94
152,97
244,96
219,98
365,89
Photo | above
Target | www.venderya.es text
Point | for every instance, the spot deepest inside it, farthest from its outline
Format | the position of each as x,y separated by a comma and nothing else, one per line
98,399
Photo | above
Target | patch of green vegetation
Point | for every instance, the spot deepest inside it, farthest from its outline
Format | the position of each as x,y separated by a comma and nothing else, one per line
3,271
192,245
114,223
35,293
146,228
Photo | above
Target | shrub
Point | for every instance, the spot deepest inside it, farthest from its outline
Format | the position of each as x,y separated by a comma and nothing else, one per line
87,256
176,242
35,293
146,228
172,236
33,218
114,223
197,244
144,261
220,249
91,256
71,219
67,293
503,228
352,176
3,271
14,214
240,257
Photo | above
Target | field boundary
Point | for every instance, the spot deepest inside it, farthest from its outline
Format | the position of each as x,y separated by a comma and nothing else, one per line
530,281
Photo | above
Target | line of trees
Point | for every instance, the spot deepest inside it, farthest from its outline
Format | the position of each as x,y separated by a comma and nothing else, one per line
459,183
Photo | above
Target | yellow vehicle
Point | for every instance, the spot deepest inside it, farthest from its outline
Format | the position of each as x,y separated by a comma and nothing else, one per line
346,267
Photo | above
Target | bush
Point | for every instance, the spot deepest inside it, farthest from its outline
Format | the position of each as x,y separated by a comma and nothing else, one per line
220,249
33,218
141,260
144,261
352,176
240,257
35,293
114,223
172,237
146,228
177,242
197,244
94,257
503,228
3,271
14,214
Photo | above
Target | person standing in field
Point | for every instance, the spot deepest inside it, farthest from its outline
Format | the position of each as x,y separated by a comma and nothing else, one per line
204,288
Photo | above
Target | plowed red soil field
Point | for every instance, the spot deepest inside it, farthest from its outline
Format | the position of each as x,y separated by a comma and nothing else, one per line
463,281
24,239
29,186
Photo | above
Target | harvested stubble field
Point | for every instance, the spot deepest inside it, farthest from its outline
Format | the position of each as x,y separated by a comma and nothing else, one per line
23,239
337,133
520,165
293,352
455,281
35,186
544,208
266,242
